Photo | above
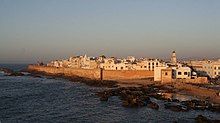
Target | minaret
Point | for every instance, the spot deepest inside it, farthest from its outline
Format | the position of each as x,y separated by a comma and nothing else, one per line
173,58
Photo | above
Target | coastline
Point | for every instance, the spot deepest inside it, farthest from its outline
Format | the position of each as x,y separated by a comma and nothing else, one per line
181,88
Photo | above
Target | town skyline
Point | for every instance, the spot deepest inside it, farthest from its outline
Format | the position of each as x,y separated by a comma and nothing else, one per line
46,30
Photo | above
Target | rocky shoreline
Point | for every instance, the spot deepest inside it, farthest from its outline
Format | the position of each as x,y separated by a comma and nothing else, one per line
141,96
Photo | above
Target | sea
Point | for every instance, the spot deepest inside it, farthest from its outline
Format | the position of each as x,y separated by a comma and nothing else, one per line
28,99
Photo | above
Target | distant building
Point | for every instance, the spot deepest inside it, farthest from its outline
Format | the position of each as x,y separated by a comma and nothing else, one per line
209,68
176,72
173,58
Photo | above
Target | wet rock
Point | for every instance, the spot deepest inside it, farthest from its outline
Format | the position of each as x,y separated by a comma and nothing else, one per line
103,95
16,74
214,107
196,104
131,97
175,107
203,119
6,70
153,105
10,72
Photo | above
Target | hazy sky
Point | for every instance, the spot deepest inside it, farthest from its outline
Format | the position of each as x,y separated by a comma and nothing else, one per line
32,30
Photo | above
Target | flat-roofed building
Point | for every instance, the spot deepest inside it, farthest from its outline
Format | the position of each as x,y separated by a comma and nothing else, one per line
209,68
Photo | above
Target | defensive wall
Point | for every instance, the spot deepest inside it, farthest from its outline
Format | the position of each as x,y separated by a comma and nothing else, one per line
94,73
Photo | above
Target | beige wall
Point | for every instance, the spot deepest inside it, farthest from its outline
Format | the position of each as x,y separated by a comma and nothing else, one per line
94,73
166,75
128,74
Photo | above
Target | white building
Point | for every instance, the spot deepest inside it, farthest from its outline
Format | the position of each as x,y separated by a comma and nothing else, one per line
183,73
209,68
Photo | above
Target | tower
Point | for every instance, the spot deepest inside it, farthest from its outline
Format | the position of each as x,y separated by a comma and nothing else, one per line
173,58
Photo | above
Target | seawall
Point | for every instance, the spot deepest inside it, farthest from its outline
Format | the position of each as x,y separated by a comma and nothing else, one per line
94,73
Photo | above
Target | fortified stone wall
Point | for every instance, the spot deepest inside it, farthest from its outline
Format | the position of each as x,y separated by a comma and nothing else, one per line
199,80
95,73
126,74
92,74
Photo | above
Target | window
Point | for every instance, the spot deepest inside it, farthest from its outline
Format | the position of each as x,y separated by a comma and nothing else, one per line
179,73
218,73
141,66
122,68
215,68
145,66
215,73
185,73
219,68
157,63
116,68
149,64
166,73
152,63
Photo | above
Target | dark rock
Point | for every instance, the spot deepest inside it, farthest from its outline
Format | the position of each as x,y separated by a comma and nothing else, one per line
175,107
6,70
153,105
201,105
10,72
214,107
203,119
15,74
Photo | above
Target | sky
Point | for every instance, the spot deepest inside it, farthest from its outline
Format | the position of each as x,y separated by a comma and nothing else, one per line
44,30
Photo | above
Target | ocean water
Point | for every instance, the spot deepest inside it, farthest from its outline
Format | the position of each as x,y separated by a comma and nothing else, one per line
28,99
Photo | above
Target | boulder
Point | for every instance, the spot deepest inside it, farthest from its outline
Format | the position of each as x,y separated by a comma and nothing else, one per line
175,107
153,105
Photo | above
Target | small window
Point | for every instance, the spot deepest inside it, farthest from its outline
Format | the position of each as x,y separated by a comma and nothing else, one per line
149,64
215,73
218,73
215,68
179,73
116,68
141,66
185,73
145,66
156,63
152,63
166,73
122,68
219,68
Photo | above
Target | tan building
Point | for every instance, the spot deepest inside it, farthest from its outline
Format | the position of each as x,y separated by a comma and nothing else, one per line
148,64
209,68
183,73
166,75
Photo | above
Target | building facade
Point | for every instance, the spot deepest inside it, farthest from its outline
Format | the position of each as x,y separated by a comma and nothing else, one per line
209,68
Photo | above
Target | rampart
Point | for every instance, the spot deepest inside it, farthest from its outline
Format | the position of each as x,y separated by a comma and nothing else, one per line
94,73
